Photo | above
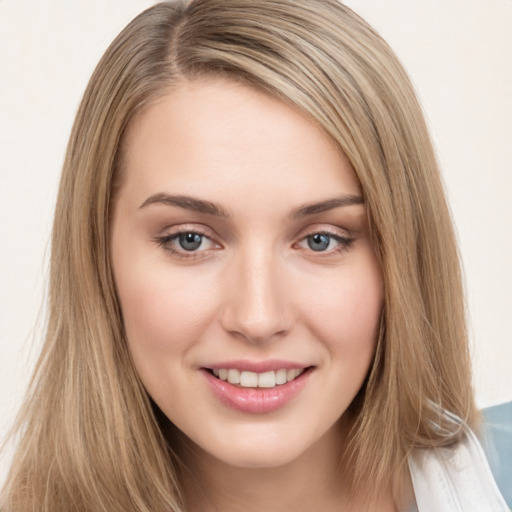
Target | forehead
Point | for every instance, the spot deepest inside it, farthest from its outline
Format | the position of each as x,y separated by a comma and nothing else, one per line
213,135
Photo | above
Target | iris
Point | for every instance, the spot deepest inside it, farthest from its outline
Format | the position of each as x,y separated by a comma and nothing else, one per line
190,241
319,241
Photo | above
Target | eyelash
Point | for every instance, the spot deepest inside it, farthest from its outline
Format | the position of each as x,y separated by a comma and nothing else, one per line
344,243
165,243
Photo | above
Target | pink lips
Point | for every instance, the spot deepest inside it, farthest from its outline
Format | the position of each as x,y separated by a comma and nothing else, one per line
256,400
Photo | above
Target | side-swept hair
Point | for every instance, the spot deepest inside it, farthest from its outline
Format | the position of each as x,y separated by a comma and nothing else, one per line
90,438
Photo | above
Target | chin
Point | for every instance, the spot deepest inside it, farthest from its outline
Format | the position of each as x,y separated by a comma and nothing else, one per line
260,446
261,456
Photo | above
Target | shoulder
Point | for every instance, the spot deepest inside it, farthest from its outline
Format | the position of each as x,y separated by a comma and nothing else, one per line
455,479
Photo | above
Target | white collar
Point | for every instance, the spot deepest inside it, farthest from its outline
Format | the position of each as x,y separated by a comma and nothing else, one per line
455,479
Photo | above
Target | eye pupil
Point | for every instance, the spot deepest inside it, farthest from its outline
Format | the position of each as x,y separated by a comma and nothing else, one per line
190,241
318,241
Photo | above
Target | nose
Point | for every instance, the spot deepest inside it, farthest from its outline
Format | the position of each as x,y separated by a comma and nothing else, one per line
258,306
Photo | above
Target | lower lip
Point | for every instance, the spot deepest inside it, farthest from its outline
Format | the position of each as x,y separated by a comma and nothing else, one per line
256,400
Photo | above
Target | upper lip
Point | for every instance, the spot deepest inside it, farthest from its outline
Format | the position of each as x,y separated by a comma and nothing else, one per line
257,366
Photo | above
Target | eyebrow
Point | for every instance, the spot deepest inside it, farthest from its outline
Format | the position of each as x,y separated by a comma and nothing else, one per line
328,204
210,208
186,202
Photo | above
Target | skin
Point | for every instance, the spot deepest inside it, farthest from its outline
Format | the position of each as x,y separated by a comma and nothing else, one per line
253,290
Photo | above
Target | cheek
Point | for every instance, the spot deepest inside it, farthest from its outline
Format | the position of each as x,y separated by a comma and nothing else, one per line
345,312
163,310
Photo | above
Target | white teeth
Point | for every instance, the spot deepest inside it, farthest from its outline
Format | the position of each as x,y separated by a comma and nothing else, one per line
258,380
290,375
267,380
234,376
249,380
281,376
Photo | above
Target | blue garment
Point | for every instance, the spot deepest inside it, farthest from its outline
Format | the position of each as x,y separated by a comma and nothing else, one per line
497,444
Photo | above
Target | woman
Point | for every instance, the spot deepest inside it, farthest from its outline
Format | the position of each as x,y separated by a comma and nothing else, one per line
255,295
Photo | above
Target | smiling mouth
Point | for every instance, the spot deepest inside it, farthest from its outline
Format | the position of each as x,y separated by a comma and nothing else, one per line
257,392
247,379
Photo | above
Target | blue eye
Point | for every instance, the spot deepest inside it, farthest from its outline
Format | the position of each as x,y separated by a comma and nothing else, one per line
186,244
190,241
324,242
319,241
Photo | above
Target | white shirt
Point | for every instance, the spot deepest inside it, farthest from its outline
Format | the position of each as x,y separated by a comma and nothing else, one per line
455,479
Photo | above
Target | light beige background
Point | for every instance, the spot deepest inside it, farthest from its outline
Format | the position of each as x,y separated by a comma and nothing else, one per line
459,55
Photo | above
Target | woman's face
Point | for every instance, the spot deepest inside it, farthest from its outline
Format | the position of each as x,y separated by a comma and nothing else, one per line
240,251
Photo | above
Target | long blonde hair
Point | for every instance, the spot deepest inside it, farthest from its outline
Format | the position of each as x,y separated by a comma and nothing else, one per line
90,439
